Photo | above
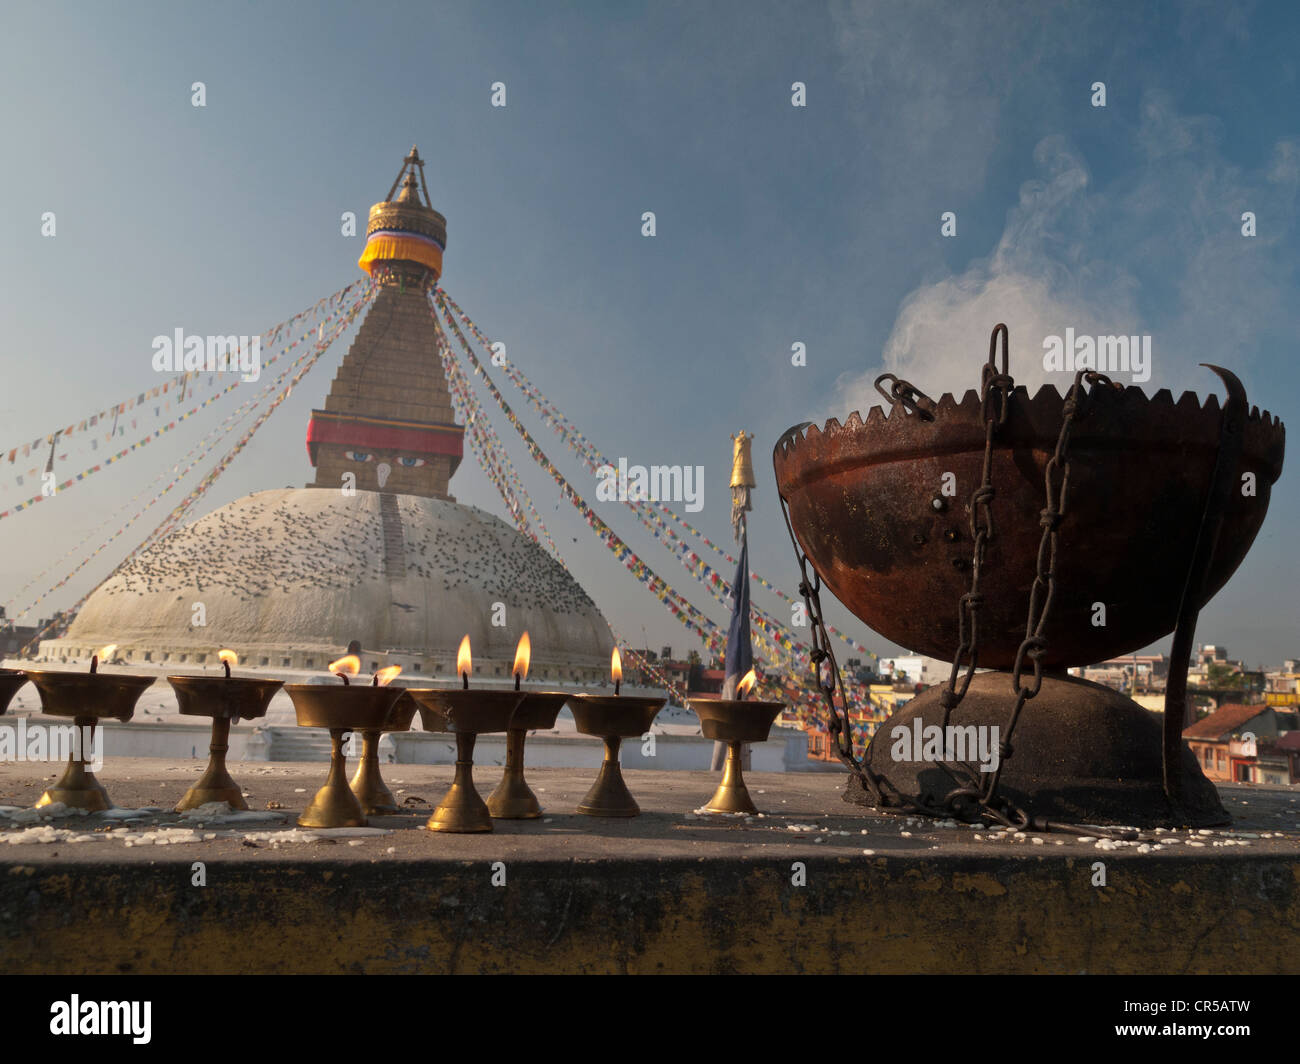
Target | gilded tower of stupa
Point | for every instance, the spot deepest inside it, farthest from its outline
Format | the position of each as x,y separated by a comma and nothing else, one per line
388,419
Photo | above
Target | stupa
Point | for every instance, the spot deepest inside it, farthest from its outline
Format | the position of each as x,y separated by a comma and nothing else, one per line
387,421
375,550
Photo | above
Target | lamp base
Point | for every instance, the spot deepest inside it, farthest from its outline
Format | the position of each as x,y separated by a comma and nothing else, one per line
216,784
335,806
609,795
84,793
514,799
367,784
201,794
732,796
461,810
78,788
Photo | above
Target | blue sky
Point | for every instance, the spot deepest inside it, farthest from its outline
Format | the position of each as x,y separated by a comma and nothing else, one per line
775,224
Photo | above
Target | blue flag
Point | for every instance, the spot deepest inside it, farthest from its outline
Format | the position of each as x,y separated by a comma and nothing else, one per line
740,650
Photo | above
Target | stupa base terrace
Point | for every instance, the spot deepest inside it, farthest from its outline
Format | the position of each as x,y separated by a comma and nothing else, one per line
814,885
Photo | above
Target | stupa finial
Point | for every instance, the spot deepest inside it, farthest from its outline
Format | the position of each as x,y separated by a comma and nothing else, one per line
406,237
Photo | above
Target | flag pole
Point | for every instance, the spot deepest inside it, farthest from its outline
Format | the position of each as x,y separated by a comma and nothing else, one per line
740,649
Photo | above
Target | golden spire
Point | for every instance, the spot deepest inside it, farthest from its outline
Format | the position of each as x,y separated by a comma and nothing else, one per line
409,166
406,237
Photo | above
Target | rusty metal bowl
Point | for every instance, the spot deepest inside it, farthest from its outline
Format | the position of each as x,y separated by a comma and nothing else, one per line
867,508
88,695
350,707
10,681
235,697
729,720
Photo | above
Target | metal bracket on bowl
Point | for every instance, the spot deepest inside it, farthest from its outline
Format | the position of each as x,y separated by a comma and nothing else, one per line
1232,427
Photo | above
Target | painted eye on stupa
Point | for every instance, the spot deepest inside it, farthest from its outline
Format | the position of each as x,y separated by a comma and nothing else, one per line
410,463
358,456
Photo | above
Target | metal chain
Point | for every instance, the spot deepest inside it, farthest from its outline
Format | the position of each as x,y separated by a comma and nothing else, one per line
917,402
981,522
838,723
995,395
1043,591
913,399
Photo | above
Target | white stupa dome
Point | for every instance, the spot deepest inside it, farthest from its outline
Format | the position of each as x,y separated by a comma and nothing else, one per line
291,577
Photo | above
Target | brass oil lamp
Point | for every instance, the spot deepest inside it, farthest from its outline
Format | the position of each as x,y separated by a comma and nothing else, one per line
613,718
1012,573
227,700
735,721
10,681
514,799
86,697
467,713
368,785
341,709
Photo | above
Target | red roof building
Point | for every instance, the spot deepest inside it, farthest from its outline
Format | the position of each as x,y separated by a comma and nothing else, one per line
1217,742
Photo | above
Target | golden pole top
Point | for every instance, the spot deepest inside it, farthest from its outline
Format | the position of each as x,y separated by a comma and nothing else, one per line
742,461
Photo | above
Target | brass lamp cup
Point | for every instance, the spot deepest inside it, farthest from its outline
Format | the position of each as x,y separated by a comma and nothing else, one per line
467,713
86,697
612,718
368,785
341,709
514,799
89,695
226,700
432,719
10,681
734,722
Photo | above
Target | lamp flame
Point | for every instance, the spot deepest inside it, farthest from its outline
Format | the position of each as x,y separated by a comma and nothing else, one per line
346,666
747,683
463,661
228,657
386,676
105,653
616,669
523,655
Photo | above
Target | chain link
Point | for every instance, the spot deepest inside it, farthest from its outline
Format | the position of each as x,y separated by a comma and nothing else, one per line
830,681
1042,593
980,797
838,723
913,399
981,525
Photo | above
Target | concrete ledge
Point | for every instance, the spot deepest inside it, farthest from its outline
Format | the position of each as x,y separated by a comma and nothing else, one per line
654,915
666,892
